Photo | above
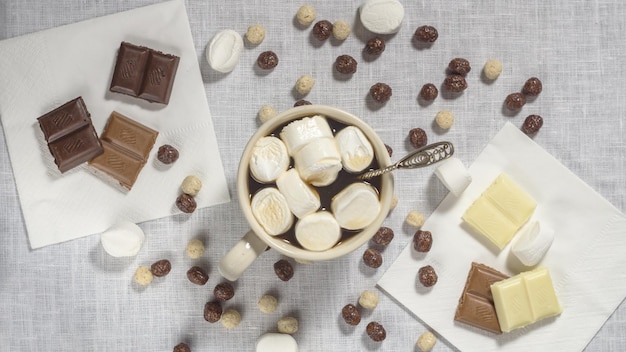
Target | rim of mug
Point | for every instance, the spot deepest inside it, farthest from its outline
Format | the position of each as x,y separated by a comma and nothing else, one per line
355,241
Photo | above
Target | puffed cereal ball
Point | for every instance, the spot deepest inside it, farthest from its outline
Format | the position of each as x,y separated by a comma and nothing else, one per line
195,249
143,276
255,34
191,185
426,341
266,112
306,15
341,30
368,299
394,202
288,325
268,304
492,69
304,84
444,119
415,218
230,318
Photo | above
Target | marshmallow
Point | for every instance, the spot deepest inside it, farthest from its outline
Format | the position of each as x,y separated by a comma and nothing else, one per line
318,162
382,16
271,210
302,198
453,174
275,342
356,206
318,231
123,239
532,243
224,51
269,159
299,133
355,149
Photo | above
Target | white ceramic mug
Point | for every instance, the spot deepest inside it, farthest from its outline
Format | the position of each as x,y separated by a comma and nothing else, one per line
256,241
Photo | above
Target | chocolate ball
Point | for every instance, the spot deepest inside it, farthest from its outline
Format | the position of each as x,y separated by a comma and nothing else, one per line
283,269
380,92
186,203
532,124
459,66
455,83
267,60
345,64
372,258
429,92
212,311
422,241
427,34
322,30
376,331
161,268
351,314
167,154
383,236
515,101
418,137
375,46
427,276
532,87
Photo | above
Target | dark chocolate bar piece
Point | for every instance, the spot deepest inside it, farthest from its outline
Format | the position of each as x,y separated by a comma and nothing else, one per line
127,145
71,137
144,73
476,305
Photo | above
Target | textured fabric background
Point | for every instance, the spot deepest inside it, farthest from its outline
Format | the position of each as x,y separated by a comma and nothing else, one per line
73,296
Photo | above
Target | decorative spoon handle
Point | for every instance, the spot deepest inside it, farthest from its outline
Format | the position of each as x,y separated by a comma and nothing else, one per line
428,155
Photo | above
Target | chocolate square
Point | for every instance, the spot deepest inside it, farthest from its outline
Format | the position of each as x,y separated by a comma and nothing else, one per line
159,77
71,137
129,69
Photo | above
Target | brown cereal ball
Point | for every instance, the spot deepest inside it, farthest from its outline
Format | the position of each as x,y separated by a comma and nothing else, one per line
167,154
427,276
182,347
351,314
455,83
383,236
532,87
389,150
345,64
376,331
515,101
418,137
380,92
322,30
301,102
161,268
532,124
375,46
283,269
459,66
197,275
186,203
427,34
224,291
372,258
422,241
429,92
212,311
267,60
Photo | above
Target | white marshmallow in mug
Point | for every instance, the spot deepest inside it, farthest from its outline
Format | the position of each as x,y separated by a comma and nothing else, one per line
382,16
356,206
269,159
123,239
271,210
224,50
318,231
318,162
300,132
454,175
301,197
355,149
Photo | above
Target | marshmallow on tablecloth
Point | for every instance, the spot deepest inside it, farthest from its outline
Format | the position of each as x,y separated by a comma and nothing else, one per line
123,239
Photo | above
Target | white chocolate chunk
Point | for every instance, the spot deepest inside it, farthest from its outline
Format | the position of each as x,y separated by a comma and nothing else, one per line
318,162
454,175
355,149
532,243
271,210
300,132
269,159
382,16
275,342
356,206
123,239
302,198
224,51
318,231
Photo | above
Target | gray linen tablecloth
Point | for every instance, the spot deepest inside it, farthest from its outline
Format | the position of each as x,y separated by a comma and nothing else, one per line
73,297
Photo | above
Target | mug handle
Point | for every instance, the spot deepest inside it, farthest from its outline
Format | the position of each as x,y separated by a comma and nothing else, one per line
239,258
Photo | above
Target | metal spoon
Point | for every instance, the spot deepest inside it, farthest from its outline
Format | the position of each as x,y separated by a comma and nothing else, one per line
428,155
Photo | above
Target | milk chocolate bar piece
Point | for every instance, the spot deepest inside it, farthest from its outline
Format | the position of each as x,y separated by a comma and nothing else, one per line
127,145
476,306
144,73
71,137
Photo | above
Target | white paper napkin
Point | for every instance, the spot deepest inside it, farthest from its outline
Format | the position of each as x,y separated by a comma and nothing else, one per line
41,71
586,260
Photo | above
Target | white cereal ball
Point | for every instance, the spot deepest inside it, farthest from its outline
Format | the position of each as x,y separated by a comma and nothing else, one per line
306,15
341,30
287,325
255,34
143,276
415,218
268,304
368,299
191,185
230,318
426,341
492,69
195,249
444,119
266,112
304,84
394,202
